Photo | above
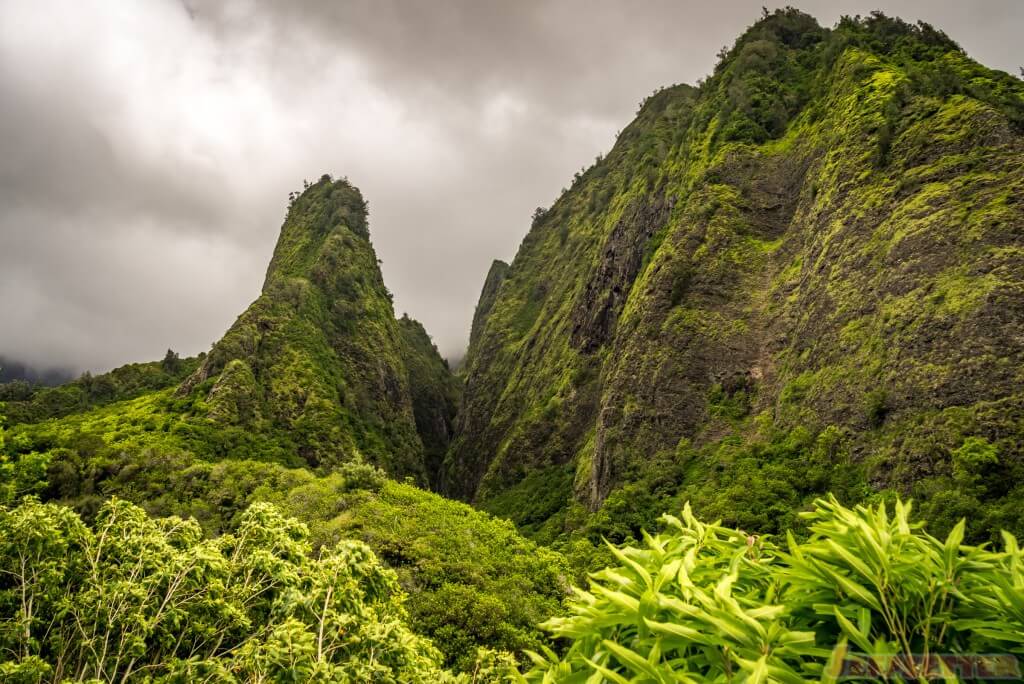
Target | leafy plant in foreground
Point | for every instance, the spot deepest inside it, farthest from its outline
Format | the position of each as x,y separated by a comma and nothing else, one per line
868,589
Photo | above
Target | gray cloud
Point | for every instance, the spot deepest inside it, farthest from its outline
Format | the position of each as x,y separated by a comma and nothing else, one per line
148,148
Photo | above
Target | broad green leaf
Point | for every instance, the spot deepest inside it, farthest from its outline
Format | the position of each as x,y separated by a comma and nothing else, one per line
851,631
853,589
758,670
609,674
633,660
834,666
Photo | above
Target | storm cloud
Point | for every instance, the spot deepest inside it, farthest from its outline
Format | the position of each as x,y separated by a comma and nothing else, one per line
147,149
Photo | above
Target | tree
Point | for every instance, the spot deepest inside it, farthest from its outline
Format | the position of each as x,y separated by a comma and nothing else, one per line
134,598
538,215
16,390
172,362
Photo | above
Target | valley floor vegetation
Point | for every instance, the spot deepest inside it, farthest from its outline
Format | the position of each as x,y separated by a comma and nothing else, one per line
225,583
131,598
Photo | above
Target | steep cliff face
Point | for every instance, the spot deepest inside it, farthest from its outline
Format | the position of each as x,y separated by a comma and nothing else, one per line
806,274
435,391
319,360
495,276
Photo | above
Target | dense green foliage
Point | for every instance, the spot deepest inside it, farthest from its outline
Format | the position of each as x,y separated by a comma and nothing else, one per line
868,590
473,580
150,598
136,599
436,394
803,275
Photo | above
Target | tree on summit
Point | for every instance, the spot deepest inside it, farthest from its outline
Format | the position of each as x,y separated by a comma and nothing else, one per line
171,362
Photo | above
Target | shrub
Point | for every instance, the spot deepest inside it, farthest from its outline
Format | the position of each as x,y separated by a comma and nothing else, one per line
971,458
876,407
707,603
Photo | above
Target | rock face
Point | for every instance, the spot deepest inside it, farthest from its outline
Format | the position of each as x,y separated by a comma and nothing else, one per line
495,276
435,391
600,304
319,361
825,240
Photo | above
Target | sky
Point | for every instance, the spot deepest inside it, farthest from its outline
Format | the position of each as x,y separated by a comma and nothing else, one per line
148,147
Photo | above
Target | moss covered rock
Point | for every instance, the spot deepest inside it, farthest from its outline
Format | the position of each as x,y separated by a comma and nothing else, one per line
824,236
318,362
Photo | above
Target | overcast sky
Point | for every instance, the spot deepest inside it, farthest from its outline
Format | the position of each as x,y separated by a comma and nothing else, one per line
147,147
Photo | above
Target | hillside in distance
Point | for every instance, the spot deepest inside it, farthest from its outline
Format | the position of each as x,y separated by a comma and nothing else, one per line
804,274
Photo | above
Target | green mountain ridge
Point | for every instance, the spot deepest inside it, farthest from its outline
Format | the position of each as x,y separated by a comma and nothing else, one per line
803,275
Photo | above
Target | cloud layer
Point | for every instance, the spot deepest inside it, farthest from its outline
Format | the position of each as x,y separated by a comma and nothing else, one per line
148,148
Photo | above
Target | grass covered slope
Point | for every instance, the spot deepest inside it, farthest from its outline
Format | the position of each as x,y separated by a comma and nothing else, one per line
27,403
803,275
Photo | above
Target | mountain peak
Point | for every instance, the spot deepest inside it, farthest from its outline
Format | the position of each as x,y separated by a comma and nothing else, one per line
323,210
319,361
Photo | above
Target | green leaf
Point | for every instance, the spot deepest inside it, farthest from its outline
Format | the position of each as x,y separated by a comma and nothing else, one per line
857,564
677,630
952,546
631,659
640,571
758,670
834,666
853,589
609,674
851,631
